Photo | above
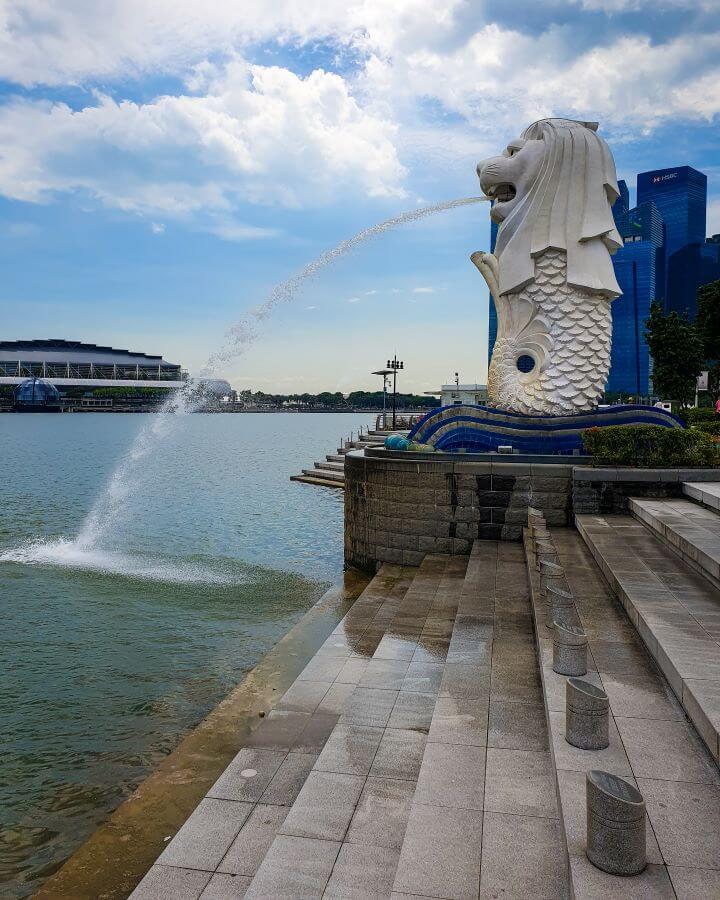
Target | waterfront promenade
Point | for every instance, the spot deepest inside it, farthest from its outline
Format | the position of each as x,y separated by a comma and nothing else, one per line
421,752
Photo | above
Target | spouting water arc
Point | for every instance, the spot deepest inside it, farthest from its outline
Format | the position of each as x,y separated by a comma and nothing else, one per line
113,500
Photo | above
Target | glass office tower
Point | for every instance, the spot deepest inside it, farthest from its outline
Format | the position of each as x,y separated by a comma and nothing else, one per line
492,312
680,195
639,268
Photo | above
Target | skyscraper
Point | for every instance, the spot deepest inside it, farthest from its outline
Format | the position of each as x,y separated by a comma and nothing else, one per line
492,312
639,267
680,195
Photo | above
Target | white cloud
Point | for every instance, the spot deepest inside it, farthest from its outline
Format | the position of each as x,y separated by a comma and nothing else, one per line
311,307
56,42
423,290
157,227
500,79
260,135
353,300
370,293
423,83
230,230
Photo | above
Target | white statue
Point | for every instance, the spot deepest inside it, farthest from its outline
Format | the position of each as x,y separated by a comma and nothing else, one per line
551,276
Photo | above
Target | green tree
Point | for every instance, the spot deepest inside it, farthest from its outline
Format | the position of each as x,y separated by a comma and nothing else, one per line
676,348
708,319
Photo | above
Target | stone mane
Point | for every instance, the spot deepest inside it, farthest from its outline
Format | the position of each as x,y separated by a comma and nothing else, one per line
551,275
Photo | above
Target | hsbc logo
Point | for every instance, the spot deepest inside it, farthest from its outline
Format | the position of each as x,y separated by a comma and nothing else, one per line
658,178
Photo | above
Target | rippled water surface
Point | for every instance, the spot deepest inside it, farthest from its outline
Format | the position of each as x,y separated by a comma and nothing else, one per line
108,656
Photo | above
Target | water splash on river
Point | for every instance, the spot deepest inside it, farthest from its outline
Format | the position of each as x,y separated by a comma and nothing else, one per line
114,502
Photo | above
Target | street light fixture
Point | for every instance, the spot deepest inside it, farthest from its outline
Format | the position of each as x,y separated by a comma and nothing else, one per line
384,373
394,364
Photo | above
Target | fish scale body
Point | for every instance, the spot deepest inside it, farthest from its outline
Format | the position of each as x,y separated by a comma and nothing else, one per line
567,330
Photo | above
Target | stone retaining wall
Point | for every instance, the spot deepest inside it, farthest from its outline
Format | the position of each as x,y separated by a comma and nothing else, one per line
605,491
398,506
398,509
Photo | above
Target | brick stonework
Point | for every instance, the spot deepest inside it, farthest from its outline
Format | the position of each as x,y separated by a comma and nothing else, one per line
397,511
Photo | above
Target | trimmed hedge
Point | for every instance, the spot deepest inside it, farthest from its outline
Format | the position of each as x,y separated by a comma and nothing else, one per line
695,415
707,427
650,445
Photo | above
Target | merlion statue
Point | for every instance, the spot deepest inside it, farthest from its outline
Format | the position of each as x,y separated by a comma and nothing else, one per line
551,277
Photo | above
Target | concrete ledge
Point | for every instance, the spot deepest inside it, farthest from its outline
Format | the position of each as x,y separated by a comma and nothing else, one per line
708,494
624,473
651,746
690,530
675,614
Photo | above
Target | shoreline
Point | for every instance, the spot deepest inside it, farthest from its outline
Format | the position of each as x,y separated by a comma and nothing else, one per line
116,856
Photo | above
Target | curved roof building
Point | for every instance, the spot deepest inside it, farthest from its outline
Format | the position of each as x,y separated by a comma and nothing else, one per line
36,395
72,363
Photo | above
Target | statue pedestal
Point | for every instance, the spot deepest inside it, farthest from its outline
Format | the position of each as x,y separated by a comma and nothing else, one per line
482,429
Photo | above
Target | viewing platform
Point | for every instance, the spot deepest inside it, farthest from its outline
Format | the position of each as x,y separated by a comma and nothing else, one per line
422,750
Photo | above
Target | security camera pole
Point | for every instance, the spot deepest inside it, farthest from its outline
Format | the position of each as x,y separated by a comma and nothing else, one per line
394,364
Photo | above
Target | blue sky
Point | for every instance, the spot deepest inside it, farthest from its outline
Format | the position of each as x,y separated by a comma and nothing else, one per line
164,164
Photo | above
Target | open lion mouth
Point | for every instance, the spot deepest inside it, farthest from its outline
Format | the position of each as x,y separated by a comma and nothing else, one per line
502,193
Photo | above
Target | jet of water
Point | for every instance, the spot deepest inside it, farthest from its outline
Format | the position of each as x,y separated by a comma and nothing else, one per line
111,506
244,332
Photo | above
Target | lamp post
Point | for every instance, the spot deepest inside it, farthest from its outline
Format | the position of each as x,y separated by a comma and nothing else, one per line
384,373
394,364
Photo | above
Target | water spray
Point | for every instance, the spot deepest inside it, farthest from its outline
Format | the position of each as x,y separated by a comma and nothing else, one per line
111,503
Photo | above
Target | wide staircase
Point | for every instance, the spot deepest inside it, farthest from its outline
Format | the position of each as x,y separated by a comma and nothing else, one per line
330,472
422,752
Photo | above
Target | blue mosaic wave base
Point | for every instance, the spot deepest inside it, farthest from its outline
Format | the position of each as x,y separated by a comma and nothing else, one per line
480,429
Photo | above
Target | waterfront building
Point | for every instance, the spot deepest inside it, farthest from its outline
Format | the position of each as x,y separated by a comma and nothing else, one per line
456,394
680,195
492,312
688,269
639,268
622,205
66,364
36,395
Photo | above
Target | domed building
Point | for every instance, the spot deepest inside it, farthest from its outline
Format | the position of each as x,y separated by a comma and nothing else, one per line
36,395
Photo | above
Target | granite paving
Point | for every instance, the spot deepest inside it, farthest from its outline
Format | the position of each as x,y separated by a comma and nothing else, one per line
410,757
484,819
652,743
674,608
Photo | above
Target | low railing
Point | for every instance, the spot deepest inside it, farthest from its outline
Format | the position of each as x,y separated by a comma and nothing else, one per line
402,421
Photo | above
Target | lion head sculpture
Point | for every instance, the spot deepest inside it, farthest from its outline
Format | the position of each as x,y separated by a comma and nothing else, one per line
553,188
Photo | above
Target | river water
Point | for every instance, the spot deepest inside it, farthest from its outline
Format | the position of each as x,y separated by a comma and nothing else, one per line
108,658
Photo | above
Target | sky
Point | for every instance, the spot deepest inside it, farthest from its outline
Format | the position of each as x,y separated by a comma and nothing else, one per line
165,163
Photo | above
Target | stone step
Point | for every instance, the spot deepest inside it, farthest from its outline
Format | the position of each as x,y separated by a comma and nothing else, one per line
675,610
341,837
218,850
483,819
335,457
332,466
651,742
692,531
329,474
319,481
705,492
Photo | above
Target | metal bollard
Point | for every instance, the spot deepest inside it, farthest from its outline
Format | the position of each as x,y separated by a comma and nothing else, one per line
559,606
615,824
587,715
569,649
